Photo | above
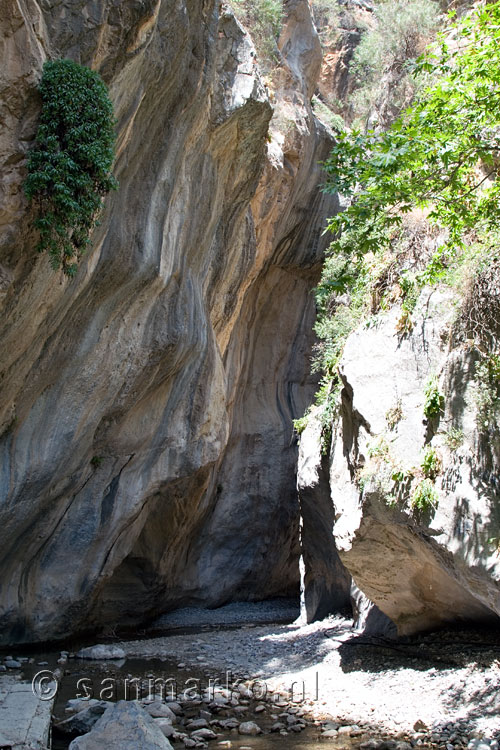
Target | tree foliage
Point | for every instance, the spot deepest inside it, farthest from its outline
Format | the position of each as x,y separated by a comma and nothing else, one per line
69,166
263,18
384,59
441,155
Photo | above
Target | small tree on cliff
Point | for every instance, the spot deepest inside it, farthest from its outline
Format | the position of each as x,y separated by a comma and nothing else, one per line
69,168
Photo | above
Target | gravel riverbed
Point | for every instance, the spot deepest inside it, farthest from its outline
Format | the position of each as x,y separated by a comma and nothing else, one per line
440,688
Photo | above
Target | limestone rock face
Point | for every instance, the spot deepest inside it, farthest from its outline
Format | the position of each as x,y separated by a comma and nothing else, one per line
437,564
147,453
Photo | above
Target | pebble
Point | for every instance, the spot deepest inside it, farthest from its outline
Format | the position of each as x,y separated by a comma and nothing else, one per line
165,726
386,688
12,664
277,726
249,727
203,734
197,724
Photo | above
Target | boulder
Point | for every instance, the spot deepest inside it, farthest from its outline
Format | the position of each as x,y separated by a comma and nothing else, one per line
249,727
74,705
123,726
165,726
12,664
422,568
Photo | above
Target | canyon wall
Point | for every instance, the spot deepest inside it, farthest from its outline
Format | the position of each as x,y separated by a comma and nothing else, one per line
146,440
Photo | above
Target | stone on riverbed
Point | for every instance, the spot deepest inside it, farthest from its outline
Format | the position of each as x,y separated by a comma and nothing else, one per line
197,724
123,726
159,710
165,726
101,651
203,735
249,727
83,721
74,705
12,664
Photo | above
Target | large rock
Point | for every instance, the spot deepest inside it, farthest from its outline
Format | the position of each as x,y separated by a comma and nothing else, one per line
124,726
147,453
422,568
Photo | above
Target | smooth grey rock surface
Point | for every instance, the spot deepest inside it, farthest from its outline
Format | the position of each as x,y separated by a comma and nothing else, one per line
123,726
147,459
24,719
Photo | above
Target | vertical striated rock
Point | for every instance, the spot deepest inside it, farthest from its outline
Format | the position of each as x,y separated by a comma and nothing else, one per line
147,458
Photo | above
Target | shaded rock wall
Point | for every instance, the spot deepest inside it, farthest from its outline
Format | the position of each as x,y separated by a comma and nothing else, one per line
147,458
327,582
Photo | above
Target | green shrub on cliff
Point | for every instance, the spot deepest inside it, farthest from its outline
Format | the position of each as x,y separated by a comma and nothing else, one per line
263,19
434,400
69,166
384,59
424,497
